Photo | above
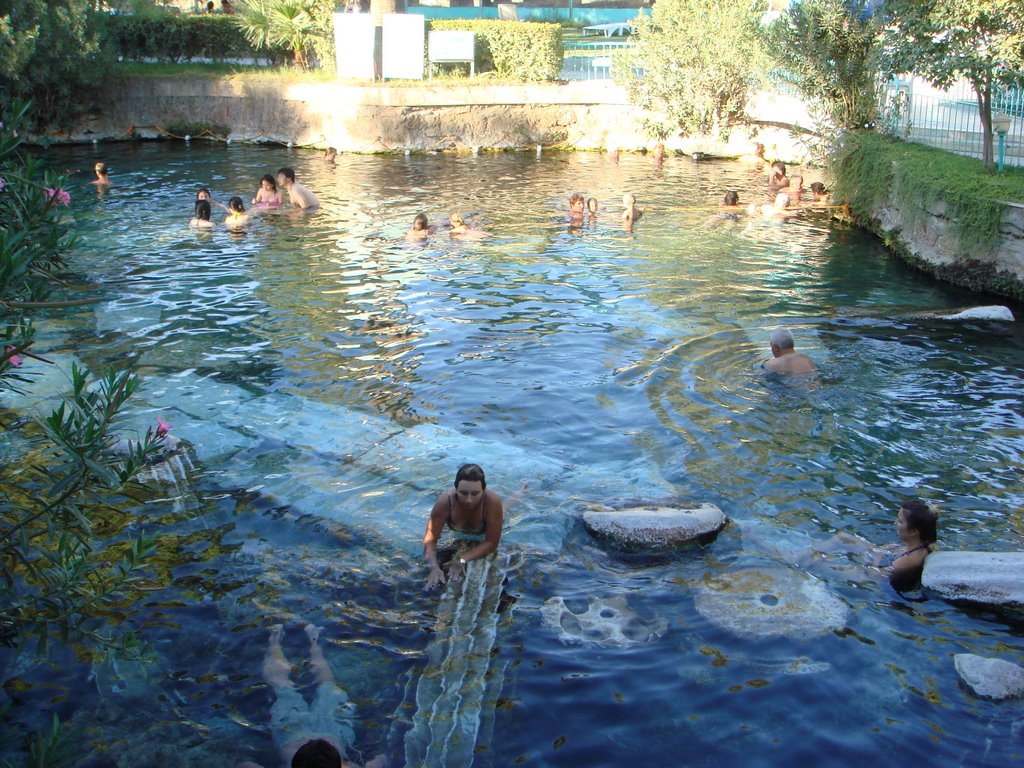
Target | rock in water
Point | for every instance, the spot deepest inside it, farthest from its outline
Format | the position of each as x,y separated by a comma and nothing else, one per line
990,678
771,602
992,579
994,312
609,622
655,526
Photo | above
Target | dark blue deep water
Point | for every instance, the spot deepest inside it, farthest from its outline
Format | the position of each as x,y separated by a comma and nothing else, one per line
331,378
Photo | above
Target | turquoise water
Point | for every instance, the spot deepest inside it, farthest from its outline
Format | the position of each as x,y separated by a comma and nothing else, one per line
332,377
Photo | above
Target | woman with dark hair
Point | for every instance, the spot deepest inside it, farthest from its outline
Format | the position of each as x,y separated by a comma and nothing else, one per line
916,525
202,218
473,514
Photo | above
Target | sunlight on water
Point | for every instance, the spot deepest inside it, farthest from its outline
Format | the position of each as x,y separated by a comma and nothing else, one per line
330,377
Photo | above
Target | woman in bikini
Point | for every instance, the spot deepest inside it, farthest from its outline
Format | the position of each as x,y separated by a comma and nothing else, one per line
916,527
473,514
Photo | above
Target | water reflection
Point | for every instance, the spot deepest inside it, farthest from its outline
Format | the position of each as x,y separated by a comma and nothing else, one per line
628,361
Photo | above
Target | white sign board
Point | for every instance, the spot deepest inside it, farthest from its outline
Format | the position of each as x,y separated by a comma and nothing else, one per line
451,46
404,38
353,45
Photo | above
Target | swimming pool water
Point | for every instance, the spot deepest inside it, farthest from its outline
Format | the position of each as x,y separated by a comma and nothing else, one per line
332,377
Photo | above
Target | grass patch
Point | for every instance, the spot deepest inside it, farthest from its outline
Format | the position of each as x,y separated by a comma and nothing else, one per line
212,70
869,169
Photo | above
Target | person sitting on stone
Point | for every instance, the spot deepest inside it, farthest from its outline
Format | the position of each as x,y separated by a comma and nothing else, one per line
785,358
308,735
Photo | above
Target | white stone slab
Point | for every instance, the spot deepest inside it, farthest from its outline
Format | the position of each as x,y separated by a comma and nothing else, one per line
990,678
994,312
654,525
987,578
771,602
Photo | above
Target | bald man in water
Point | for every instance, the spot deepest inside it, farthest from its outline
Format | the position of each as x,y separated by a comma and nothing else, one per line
785,358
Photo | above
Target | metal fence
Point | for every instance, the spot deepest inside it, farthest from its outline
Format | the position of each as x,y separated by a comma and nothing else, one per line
592,61
949,120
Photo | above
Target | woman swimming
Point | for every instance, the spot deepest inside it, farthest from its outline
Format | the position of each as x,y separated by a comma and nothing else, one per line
237,219
473,514
460,229
202,218
420,228
268,195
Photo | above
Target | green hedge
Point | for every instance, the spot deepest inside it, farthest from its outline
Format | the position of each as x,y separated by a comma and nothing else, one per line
515,50
177,37
869,169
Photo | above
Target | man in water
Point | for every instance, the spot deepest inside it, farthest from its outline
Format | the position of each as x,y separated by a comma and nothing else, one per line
298,194
308,735
785,358
102,175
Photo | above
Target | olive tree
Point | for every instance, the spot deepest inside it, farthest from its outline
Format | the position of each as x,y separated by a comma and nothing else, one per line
981,41
699,60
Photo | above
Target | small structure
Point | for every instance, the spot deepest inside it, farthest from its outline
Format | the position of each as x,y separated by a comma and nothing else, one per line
616,28
452,47
655,525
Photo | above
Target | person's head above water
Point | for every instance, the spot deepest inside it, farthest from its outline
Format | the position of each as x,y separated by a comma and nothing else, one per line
101,169
235,205
473,473
318,753
782,200
592,204
457,220
287,174
782,338
202,194
203,210
731,198
779,168
920,518
420,222
577,201
268,183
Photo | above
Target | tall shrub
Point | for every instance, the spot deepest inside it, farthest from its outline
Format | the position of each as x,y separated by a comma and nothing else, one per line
65,558
50,52
828,50
700,60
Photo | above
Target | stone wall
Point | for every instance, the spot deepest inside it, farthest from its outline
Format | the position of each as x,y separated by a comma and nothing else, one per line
374,118
931,242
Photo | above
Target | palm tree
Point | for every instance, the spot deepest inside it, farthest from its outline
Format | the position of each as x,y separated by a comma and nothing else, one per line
280,23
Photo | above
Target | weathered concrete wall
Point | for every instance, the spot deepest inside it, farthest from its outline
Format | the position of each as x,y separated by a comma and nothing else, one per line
373,118
931,241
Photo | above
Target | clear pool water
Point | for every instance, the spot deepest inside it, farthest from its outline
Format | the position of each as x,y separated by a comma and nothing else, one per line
331,378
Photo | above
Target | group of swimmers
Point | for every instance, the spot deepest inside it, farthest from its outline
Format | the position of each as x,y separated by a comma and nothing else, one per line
268,197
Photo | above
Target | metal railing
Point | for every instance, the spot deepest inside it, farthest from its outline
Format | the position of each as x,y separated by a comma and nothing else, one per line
592,61
949,119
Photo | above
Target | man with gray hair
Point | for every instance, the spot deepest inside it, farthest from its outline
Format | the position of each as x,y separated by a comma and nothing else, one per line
785,358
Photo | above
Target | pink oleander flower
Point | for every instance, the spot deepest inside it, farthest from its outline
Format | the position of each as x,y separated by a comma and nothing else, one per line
57,196
162,427
14,361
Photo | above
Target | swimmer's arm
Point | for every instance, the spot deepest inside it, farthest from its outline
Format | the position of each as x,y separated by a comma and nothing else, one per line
435,525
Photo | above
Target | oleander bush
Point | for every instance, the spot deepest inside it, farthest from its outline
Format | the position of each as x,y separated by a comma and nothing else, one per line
529,51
